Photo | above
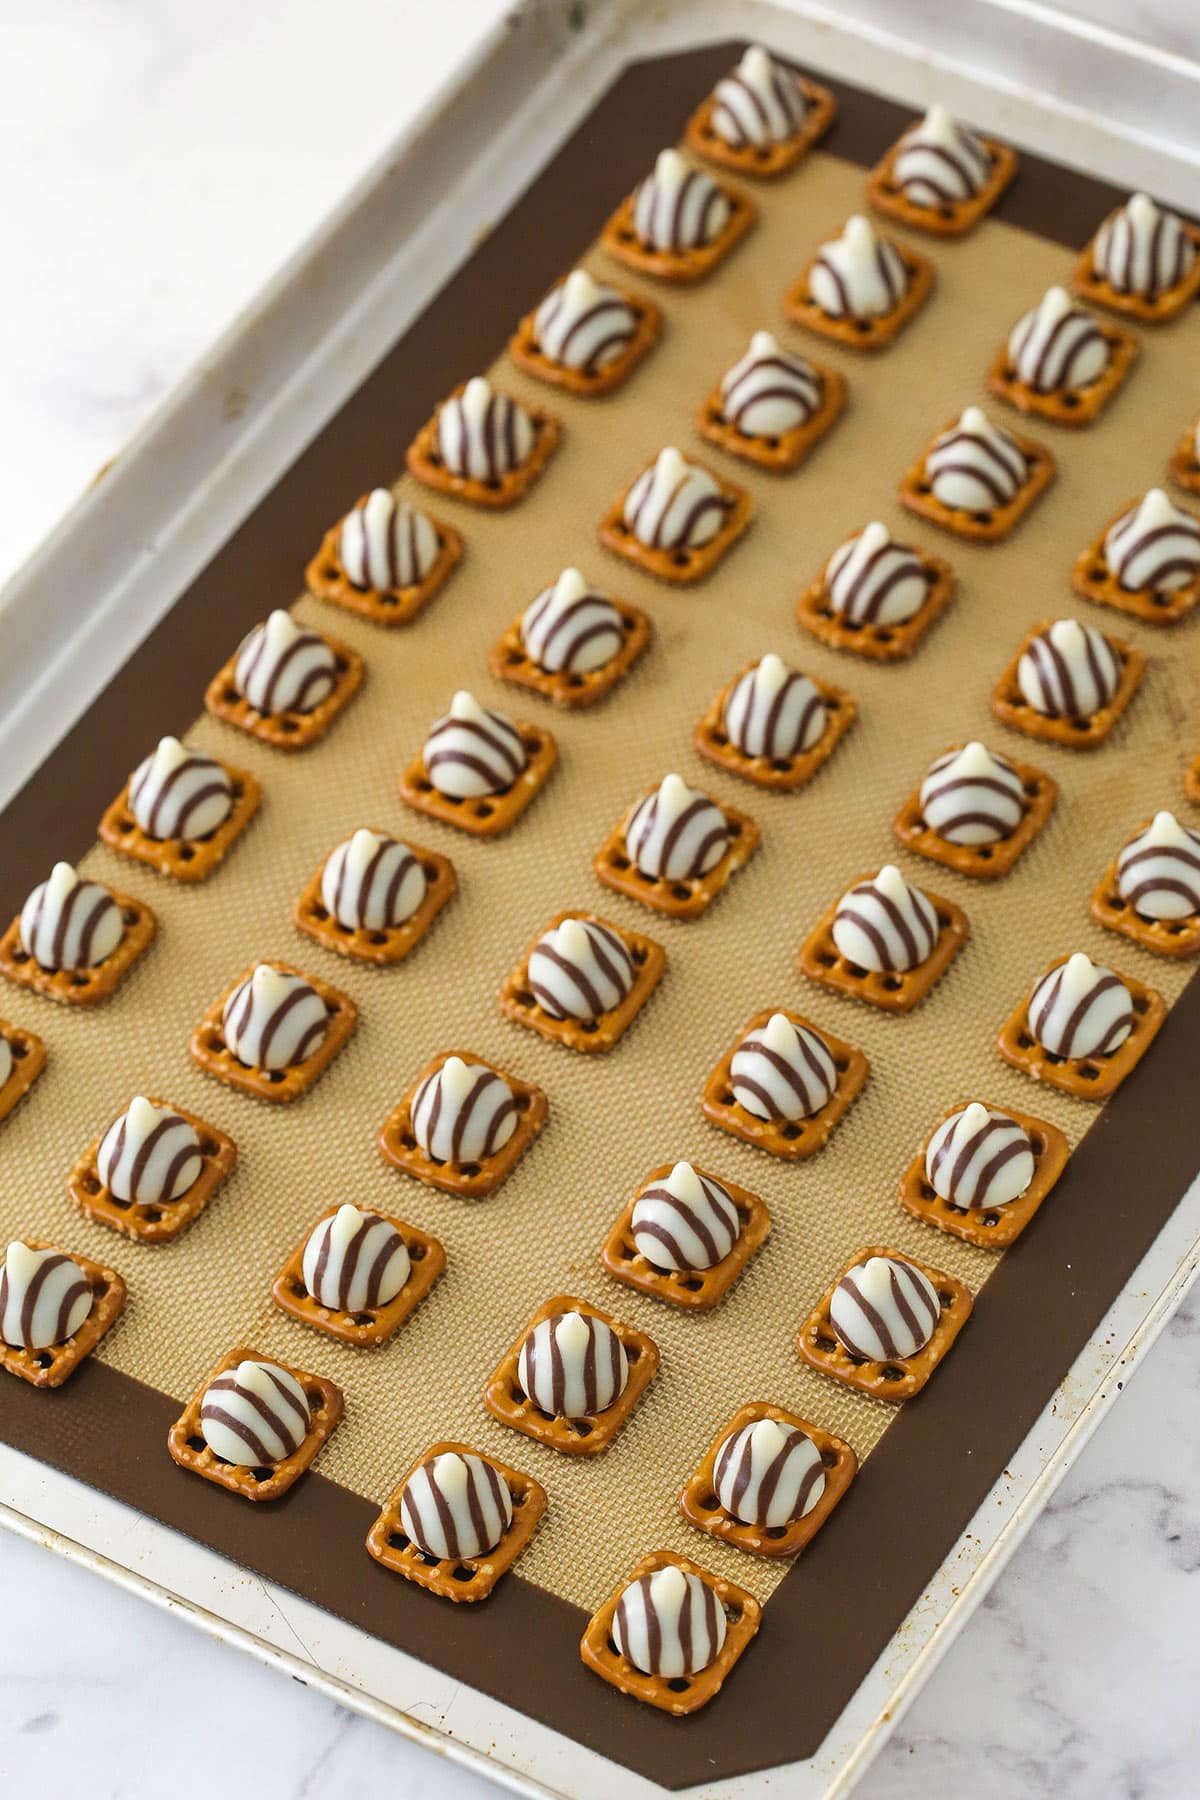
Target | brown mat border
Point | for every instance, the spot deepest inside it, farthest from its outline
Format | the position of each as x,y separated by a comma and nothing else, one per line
109,1429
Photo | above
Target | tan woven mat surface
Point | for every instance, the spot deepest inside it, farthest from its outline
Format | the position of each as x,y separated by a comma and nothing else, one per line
613,1119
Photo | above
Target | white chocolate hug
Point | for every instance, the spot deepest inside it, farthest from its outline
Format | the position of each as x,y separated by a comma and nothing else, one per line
770,391
255,1415
939,162
1058,346
774,711
884,1310
1080,1009
768,1474
472,752
979,1158
455,1505
283,667
584,325
873,580
372,882
580,970
463,1113
685,1221
885,924
1142,249
674,504
972,796
70,923
975,467
180,793
1154,546
676,833
572,1365
1069,671
387,545
678,207
483,435
44,1297
149,1155
1158,871
273,1020
569,629
669,1624
783,1071
355,1261
758,104
859,275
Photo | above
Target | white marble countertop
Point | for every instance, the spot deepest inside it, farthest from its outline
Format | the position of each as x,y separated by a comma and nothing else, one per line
160,163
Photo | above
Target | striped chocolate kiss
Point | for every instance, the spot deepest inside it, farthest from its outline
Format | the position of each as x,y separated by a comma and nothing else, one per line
768,1474
669,1624
44,1297
69,923
355,1261
572,1365
686,1221
456,1505
472,752
148,1155
979,1158
884,924
972,797
256,1415
281,667
580,970
463,1112
883,1310
782,1071
1158,872
1069,671
1080,1009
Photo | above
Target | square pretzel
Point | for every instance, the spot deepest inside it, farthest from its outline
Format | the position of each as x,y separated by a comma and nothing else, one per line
897,990
700,1507
528,354
1184,467
764,161
510,661
464,1578
793,1139
1067,406
787,451
386,946
327,579
1083,1077
981,527
487,815
594,1036
621,240
697,1290
290,729
468,1181
1163,307
782,774
188,1448
953,218
587,1436
374,1325
684,1694
682,566
980,862
51,1367
819,1346
425,462
1011,707
28,1061
211,1053
1094,580
164,1220
874,331
1167,937
677,899
993,1227
183,859
81,987
878,643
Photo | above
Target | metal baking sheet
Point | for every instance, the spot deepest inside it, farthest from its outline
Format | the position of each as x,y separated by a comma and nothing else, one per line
306,358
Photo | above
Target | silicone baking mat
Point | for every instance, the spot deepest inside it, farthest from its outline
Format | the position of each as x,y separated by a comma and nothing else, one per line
613,1119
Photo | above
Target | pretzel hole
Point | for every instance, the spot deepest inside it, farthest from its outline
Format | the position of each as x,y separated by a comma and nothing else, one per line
1070,399
286,724
892,983
923,487
681,891
460,1572
483,810
79,980
299,1290
1139,1003
633,1353
363,1319
18,1049
259,1474
620,862
691,1282
679,1685
983,518
791,1131
581,1427
90,1184
863,327
890,1372
991,1220
1088,1071
43,1359
824,1343
397,1541
830,1458
681,559
196,1443
782,764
